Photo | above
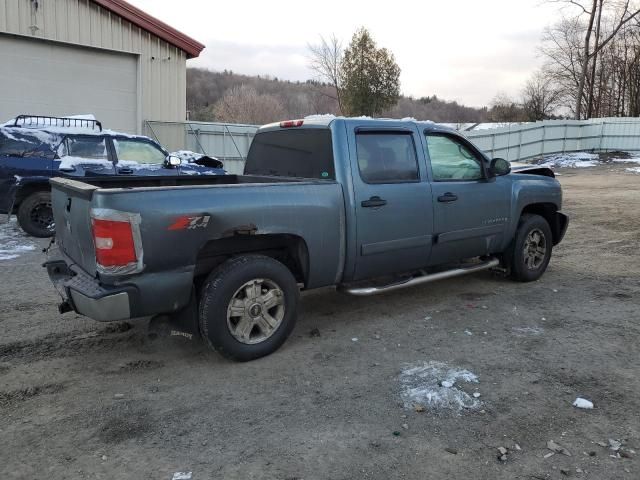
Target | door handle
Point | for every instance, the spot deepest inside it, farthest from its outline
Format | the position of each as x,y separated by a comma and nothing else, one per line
448,197
373,202
126,170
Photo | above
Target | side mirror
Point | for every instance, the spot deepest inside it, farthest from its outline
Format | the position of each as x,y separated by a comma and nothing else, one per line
173,161
499,167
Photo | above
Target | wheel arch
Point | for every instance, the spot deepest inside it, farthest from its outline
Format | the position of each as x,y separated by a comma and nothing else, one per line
291,250
549,211
30,186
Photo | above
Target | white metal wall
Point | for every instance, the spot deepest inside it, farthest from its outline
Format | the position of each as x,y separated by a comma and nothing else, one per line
228,142
161,66
77,80
529,140
231,142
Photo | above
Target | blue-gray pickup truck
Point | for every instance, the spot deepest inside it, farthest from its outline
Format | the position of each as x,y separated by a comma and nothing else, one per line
366,205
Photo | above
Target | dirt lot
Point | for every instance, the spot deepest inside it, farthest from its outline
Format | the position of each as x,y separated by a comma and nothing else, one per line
79,399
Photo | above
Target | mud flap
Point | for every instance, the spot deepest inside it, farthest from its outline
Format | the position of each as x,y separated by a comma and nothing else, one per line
183,323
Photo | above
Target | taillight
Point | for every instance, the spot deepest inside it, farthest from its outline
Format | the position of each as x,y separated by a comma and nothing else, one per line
116,240
291,123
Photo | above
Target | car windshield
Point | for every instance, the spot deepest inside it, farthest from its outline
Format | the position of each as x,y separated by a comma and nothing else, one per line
19,142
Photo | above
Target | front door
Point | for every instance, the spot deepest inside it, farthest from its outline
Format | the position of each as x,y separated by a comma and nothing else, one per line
470,211
392,202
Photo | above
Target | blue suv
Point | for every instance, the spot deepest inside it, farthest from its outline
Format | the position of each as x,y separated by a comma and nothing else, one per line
34,149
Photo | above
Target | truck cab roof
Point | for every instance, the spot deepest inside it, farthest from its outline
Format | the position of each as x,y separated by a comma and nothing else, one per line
325,121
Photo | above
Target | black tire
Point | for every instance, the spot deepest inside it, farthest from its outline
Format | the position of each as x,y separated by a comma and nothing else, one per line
225,284
524,264
35,215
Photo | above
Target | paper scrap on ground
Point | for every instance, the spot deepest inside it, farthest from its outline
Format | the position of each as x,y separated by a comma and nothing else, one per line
583,403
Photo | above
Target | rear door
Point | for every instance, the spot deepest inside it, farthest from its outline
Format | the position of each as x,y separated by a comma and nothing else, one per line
392,201
470,211
84,155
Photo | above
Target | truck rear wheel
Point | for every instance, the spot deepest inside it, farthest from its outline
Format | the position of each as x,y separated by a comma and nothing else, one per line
35,215
248,307
530,252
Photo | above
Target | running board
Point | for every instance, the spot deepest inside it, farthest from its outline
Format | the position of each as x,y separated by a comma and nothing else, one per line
456,272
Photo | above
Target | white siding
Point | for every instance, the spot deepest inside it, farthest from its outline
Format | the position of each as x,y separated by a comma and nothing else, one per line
78,80
162,80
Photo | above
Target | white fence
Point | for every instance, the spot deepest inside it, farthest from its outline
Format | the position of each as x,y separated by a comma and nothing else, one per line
226,141
230,142
529,140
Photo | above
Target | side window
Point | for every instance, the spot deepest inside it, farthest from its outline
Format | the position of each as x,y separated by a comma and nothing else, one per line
137,151
452,160
94,148
15,143
387,157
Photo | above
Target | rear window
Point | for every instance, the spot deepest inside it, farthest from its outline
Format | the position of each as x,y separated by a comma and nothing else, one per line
305,153
21,143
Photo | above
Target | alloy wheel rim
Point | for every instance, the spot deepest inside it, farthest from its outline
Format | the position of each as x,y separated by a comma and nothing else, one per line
535,249
255,311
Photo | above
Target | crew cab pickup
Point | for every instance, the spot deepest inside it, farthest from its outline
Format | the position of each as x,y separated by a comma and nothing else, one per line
366,205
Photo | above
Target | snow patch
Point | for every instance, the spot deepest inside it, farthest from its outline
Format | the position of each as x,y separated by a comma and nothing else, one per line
571,160
432,384
69,162
187,155
633,169
13,241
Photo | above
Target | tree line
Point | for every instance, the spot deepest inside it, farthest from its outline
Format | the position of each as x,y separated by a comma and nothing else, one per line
591,68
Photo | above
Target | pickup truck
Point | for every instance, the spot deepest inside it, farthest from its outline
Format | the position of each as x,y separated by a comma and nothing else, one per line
366,205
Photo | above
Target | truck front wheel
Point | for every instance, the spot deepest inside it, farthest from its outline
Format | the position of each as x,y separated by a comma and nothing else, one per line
248,307
530,252
35,214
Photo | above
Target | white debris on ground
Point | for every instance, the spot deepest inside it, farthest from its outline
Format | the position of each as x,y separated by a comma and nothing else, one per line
432,384
583,403
526,331
13,242
633,169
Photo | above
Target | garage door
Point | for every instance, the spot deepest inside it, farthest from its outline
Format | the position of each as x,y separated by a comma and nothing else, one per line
48,78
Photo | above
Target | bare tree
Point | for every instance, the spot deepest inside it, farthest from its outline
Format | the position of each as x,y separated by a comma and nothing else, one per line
505,109
325,59
540,97
243,104
623,12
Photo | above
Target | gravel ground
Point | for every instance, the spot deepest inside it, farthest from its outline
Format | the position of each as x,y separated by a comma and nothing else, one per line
80,399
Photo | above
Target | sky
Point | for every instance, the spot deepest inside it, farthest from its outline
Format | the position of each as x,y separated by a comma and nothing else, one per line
464,50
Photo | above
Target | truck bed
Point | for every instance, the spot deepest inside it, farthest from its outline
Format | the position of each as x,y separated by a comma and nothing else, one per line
87,185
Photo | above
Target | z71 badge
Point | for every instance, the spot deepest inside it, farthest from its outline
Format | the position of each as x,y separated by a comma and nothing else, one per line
190,222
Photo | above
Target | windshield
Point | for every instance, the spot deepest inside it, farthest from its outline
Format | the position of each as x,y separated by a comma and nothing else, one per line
305,153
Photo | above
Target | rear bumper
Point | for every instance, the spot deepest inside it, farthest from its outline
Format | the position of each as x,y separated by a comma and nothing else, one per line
86,296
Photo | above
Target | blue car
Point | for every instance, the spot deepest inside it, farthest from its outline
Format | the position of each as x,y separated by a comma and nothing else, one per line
34,149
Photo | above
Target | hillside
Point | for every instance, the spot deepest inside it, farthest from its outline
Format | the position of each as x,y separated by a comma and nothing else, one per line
296,99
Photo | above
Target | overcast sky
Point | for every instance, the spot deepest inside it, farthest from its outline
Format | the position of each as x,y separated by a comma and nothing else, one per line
465,50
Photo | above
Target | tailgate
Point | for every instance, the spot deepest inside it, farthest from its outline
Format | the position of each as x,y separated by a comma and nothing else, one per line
71,202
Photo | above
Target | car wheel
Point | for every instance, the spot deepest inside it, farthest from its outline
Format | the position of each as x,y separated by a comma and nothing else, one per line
35,215
531,250
248,307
